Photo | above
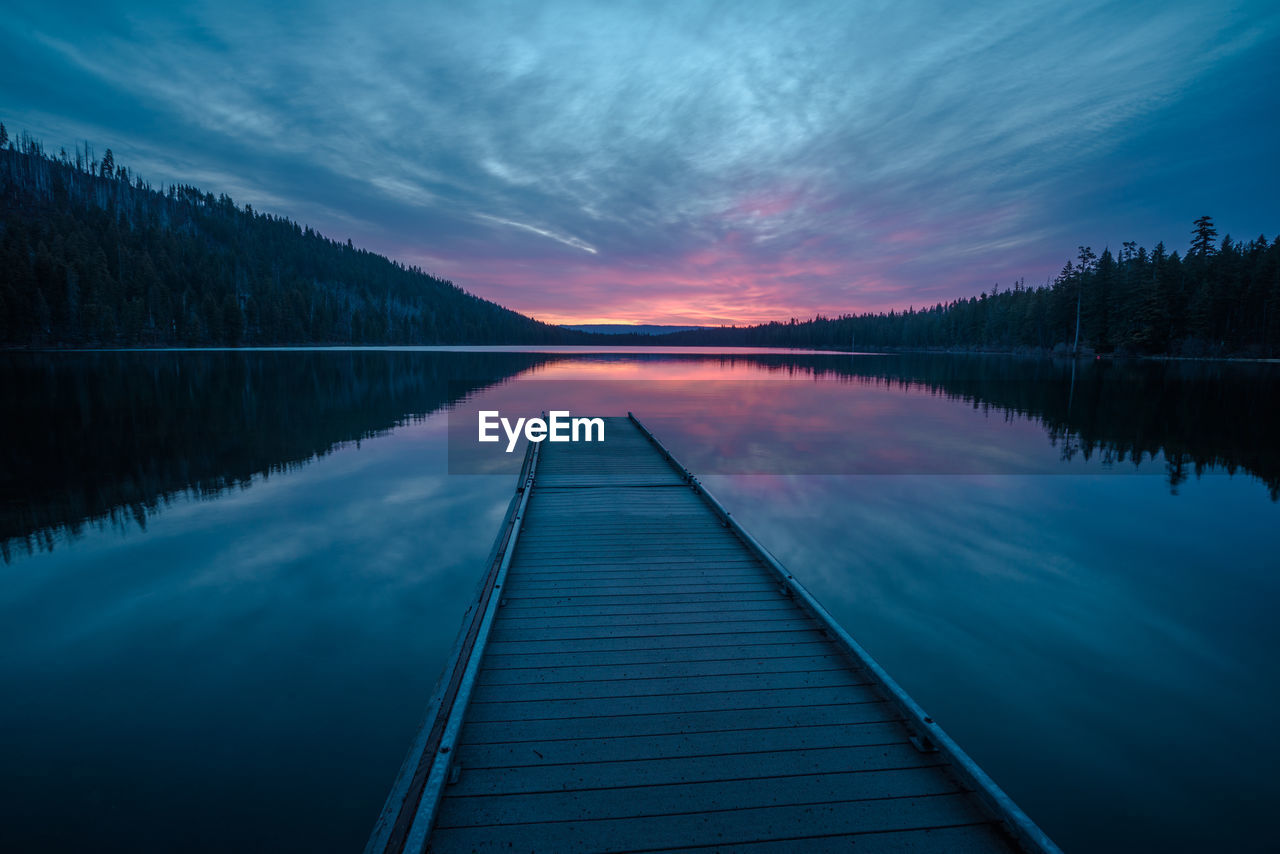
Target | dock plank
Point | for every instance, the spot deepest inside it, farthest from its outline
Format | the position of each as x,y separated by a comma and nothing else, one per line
766,601
721,827
612,748
648,618
674,798
667,723
962,839
684,641
810,643
648,630
851,691
686,769
618,688
659,670
603,587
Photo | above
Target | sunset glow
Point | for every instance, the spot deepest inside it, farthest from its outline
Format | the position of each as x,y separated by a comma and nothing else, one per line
604,163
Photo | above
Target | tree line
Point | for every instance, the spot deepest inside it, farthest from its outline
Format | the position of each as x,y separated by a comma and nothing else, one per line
1221,298
92,255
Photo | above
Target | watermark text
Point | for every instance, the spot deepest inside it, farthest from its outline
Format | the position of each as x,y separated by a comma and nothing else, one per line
558,426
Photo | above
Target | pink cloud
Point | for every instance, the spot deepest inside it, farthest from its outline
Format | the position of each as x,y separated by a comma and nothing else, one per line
741,274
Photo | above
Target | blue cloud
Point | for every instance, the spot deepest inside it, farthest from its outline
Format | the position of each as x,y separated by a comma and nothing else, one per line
695,161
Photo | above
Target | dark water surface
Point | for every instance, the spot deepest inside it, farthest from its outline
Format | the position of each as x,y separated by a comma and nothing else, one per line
230,579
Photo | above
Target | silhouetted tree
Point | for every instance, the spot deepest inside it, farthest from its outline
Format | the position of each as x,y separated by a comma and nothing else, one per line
1086,258
1224,302
1203,236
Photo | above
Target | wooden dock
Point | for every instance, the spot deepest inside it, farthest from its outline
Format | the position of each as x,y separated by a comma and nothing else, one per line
638,674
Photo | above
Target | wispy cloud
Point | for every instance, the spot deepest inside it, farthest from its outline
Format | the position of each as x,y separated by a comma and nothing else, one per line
704,160
542,232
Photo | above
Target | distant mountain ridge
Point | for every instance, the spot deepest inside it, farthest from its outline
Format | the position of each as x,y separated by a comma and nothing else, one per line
92,256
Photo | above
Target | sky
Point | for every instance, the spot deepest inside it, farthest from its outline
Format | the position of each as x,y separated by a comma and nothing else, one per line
684,162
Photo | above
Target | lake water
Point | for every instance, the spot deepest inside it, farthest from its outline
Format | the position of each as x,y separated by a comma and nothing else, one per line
230,579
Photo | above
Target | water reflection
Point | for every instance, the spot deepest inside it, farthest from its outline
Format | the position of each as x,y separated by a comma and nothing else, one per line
247,672
844,425
94,437
1101,647
112,436
245,675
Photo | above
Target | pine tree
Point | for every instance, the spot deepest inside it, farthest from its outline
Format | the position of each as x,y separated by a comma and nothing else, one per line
1203,237
1087,258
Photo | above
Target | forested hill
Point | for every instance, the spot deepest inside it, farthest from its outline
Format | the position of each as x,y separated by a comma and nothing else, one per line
1220,299
91,255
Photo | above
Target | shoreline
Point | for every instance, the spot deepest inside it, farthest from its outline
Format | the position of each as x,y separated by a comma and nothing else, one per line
742,349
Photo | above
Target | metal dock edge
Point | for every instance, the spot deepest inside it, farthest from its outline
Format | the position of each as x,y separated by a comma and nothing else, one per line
1026,831
409,811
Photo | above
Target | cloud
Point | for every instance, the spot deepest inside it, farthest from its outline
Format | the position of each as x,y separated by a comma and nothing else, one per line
542,232
828,157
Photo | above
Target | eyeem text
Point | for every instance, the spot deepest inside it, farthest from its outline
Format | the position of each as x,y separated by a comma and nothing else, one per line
559,426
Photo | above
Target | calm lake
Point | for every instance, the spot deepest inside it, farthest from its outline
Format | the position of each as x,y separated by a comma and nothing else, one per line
230,578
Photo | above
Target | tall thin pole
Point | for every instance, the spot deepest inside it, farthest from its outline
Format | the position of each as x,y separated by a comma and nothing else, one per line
1075,348
1071,395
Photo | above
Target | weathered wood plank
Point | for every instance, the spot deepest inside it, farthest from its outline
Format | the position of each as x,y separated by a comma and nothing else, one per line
735,595
606,544
627,555
521,591
625,518
643,573
749,765
582,498
668,799
614,569
707,701
606,536
589,588
659,670
727,827
675,525
814,643
659,585
757,635
628,541
604,563
752,603
647,630
568,751
619,725
662,686
961,839
648,619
